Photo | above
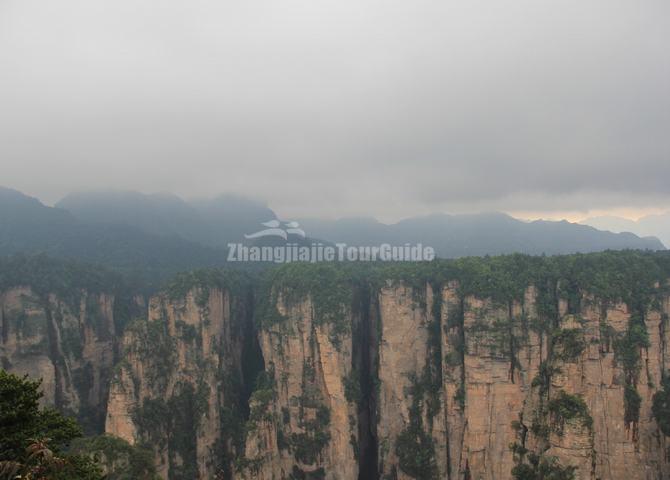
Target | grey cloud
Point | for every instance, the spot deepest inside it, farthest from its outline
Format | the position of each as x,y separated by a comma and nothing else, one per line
330,108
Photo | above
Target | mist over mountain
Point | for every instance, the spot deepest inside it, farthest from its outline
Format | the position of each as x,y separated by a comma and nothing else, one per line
611,223
226,218
650,225
160,234
229,217
479,234
212,222
28,226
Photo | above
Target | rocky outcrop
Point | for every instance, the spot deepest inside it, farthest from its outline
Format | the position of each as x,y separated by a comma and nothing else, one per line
482,370
67,342
180,370
475,387
304,420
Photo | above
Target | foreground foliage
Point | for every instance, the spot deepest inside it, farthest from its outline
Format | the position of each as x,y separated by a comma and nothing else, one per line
34,441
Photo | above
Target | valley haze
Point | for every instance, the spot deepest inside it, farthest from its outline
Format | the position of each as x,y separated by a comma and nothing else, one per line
334,240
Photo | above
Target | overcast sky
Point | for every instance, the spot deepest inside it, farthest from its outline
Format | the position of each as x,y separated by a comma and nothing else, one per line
342,107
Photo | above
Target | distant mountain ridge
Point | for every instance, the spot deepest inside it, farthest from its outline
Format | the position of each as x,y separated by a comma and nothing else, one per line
212,222
161,233
479,234
651,225
28,226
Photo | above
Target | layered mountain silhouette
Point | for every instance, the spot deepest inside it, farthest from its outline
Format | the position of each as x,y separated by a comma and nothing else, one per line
480,234
213,223
163,233
28,226
657,225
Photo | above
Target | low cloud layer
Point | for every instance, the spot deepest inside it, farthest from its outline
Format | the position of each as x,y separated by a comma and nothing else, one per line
333,108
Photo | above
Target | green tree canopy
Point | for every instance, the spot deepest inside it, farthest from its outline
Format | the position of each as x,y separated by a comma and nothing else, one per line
34,441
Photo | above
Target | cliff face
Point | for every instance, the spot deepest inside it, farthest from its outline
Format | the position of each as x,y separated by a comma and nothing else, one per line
568,387
335,373
67,342
469,387
173,379
301,421
180,371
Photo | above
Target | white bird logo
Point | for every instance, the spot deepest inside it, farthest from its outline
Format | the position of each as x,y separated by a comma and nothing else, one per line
274,229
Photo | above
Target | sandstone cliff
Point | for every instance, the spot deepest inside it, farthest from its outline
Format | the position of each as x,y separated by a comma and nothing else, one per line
511,367
179,379
67,342
551,379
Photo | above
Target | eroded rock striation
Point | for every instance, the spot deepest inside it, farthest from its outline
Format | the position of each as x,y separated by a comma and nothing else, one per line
505,367
67,342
